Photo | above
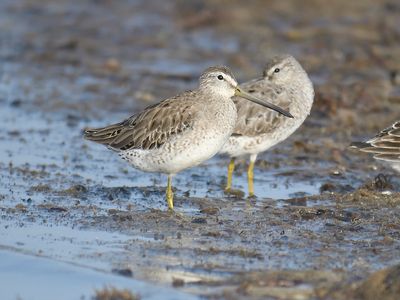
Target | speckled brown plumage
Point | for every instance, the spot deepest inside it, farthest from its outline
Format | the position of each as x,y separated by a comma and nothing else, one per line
253,121
385,145
151,128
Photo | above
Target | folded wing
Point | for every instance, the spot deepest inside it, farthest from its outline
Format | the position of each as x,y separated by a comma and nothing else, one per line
253,119
149,129
385,145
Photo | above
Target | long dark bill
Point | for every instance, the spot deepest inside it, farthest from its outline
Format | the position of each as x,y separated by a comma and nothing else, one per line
242,94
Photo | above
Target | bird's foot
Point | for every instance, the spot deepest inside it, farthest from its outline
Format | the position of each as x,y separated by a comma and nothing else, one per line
251,196
234,192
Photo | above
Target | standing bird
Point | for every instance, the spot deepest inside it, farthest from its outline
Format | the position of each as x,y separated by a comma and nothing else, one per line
179,132
385,145
284,83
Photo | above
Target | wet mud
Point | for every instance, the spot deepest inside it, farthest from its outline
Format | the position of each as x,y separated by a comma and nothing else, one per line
325,222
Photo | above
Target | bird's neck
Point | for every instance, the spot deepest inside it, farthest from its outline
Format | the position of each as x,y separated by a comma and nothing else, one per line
305,87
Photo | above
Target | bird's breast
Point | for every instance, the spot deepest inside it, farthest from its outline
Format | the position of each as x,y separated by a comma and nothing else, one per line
224,117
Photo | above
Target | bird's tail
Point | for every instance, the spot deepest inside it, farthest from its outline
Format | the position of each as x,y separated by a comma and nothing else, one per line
105,135
369,148
359,145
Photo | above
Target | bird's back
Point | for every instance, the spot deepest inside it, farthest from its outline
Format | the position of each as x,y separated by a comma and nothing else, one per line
151,128
253,119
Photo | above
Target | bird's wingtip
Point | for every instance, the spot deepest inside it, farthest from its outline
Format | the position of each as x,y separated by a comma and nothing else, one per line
87,132
358,145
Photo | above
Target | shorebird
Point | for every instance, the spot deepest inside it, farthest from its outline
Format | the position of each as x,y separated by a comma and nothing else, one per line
284,83
179,132
384,146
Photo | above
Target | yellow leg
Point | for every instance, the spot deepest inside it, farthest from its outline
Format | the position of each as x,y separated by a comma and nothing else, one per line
231,167
250,175
170,195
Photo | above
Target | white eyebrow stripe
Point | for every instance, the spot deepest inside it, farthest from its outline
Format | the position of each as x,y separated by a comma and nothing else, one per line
231,80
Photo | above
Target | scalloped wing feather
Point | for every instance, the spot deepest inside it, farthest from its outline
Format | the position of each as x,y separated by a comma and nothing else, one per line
385,145
149,129
252,119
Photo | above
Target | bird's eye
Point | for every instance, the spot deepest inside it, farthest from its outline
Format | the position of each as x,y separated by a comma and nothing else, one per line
220,77
277,70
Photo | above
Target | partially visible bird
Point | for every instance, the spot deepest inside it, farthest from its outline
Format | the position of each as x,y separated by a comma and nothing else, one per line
284,83
384,146
179,132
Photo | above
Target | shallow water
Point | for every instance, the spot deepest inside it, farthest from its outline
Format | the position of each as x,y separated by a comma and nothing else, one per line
51,279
